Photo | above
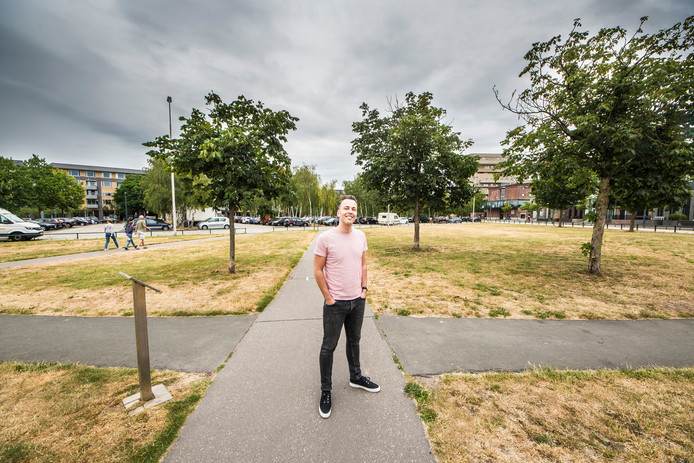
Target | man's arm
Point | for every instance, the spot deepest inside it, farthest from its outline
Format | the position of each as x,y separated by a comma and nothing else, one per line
364,276
318,264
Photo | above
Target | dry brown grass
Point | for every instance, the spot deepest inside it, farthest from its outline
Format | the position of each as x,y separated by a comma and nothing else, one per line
194,279
13,251
72,413
519,271
550,416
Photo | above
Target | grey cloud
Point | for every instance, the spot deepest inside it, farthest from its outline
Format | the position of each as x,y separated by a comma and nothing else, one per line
91,78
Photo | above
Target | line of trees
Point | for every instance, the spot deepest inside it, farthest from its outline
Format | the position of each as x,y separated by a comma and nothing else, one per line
33,186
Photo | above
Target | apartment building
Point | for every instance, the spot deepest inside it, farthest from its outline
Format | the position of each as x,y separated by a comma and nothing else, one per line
488,169
99,183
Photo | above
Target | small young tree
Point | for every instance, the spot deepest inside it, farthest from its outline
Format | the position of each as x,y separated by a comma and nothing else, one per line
239,147
596,98
413,157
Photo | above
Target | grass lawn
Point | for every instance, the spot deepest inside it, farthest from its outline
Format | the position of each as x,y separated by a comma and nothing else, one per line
571,416
20,250
521,271
194,279
73,413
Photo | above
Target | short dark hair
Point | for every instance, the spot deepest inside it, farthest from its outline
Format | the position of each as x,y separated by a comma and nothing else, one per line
343,197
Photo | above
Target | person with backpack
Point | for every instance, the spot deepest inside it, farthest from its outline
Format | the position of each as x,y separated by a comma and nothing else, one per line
129,230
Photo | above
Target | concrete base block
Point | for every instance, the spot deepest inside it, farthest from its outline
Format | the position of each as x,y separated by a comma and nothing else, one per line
135,405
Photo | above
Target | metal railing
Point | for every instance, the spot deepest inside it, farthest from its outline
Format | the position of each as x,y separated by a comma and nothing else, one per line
152,233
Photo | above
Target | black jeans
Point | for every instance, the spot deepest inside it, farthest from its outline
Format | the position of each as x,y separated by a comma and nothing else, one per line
351,315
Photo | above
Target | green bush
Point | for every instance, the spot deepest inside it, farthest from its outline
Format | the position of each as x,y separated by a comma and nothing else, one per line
677,216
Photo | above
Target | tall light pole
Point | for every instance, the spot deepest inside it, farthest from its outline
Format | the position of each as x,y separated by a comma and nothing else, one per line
173,184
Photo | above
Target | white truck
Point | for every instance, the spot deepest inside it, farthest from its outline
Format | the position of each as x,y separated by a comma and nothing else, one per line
14,229
388,218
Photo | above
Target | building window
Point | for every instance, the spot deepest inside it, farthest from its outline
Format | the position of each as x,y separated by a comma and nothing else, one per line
106,183
91,183
75,173
121,175
90,173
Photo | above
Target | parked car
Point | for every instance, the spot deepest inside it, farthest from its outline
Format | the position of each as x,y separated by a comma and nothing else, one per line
158,224
214,222
45,224
332,221
295,222
14,229
455,220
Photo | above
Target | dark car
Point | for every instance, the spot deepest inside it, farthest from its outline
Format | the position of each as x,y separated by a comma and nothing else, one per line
277,221
158,224
46,225
296,222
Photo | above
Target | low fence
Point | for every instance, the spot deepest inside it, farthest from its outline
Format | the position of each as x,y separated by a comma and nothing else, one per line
648,226
150,233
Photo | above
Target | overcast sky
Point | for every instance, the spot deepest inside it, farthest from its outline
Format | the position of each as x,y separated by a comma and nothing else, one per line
86,81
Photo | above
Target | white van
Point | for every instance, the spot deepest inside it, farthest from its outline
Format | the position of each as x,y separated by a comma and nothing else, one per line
388,218
13,228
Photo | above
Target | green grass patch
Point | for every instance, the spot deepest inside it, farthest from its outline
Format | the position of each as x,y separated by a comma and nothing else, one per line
178,411
73,413
499,312
422,397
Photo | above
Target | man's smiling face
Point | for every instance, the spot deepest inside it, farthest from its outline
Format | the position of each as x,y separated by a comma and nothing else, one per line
347,212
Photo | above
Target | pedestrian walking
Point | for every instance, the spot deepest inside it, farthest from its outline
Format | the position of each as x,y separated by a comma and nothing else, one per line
129,229
340,272
140,228
109,235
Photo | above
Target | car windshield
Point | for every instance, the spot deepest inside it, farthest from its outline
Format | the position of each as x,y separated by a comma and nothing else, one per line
12,217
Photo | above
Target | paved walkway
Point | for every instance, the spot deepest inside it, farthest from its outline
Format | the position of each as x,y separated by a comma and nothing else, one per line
263,406
176,343
431,346
103,254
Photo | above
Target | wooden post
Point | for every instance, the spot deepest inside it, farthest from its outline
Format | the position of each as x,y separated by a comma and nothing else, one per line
142,342
141,336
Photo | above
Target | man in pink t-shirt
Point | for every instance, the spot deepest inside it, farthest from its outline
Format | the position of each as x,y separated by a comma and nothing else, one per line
340,271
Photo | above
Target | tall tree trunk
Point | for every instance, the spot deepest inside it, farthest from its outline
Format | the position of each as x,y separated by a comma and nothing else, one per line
561,217
599,226
232,240
416,224
632,221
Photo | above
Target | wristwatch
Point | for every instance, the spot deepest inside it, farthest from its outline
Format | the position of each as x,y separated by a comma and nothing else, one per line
364,288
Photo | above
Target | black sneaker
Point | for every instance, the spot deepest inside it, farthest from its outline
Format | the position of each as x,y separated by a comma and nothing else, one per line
365,383
325,407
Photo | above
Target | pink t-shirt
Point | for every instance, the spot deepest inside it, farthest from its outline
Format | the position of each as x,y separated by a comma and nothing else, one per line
343,253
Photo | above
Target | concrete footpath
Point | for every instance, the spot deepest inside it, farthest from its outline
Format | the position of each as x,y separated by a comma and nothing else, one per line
102,254
175,343
431,346
263,406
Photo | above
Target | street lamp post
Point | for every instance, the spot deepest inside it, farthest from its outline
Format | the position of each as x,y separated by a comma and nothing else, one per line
173,185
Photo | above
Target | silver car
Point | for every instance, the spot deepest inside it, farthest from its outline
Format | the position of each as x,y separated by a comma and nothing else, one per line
214,222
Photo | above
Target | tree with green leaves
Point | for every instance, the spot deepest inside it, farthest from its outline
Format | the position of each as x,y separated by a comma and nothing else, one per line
663,182
412,157
238,146
14,185
130,193
68,194
560,186
305,187
594,99
370,201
